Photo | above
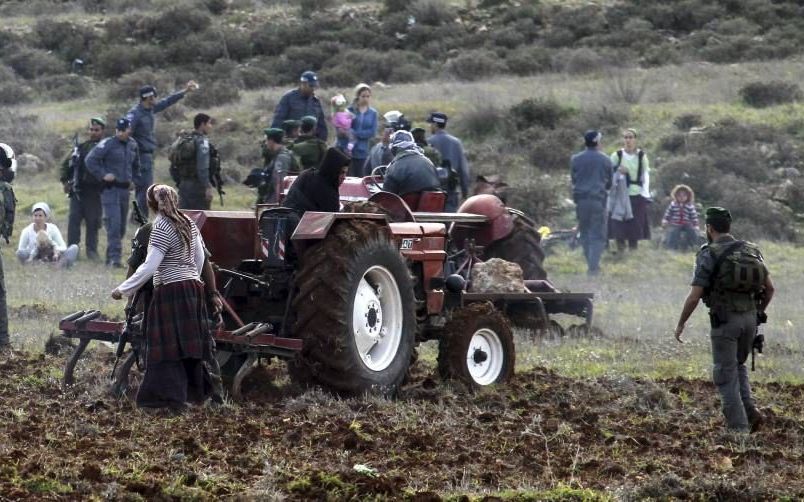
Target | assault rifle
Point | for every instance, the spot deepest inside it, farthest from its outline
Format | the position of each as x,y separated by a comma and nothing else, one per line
75,164
759,339
138,216
215,172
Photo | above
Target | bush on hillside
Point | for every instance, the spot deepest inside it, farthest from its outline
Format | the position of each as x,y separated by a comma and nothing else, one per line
69,40
126,88
480,121
113,61
431,12
309,7
528,60
687,121
12,93
395,5
762,94
177,22
578,61
32,63
196,48
475,65
213,94
546,113
63,87
551,149
236,44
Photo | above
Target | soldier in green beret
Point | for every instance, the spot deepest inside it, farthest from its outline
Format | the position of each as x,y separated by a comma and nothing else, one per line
291,128
84,190
282,163
308,149
731,278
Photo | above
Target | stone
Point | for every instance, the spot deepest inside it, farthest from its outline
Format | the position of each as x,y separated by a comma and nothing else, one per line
497,276
28,162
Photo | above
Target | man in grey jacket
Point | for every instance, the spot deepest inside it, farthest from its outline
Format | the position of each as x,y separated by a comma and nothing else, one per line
451,150
410,171
116,162
142,119
591,171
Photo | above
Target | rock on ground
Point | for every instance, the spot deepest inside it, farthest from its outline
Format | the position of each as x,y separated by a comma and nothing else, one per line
497,276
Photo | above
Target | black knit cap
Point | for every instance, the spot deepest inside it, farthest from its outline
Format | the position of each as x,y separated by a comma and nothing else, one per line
714,214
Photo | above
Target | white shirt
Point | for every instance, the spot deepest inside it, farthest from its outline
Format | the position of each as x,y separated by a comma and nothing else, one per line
28,239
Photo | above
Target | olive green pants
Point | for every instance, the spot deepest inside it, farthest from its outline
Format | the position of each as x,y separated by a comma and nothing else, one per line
731,345
3,310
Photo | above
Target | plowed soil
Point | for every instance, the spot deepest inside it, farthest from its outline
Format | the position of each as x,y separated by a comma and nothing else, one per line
541,436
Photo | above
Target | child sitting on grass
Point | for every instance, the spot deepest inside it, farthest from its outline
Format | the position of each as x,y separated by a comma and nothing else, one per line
342,121
681,219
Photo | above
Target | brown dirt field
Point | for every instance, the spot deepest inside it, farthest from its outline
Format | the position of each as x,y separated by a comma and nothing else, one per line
541,436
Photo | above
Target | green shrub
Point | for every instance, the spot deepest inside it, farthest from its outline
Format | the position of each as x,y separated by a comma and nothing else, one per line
196,48
362,65
12,93
254,76
675,143
127,86
178,22
63,87
308,7
579,61
236,44
762,94
67,39
507,38
431,12
475,65
687,121
546,113
114,61
32,63
216,7
480,121
528,60
213,94
395,5
551,149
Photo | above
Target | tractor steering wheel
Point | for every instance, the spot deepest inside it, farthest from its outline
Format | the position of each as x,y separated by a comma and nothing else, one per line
376,175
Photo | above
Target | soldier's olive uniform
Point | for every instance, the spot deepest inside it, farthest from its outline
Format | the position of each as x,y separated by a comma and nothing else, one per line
86,205
194,174
282,164
736,314
309,150
7,208
139,251
431,153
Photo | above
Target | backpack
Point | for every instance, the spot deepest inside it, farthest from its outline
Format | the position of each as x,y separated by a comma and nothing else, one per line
739,268
8,205
181,154
640,155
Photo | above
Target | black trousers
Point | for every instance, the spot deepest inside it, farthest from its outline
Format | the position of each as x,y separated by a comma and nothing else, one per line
87,207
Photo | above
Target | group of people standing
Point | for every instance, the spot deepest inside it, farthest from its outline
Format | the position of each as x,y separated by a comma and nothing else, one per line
611,194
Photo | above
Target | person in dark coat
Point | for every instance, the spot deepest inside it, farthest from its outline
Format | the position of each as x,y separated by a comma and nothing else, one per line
317,189
410,171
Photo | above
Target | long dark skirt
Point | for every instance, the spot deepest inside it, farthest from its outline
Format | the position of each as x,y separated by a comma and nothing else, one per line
635,229
178,340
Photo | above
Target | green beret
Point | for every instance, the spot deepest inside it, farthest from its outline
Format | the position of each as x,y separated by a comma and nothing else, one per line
290,124
309,121
717,214
274,133
98,120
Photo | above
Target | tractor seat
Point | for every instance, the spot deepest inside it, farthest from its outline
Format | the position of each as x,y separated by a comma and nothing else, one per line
426,202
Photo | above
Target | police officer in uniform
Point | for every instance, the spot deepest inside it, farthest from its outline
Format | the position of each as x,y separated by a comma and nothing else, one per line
308,148
195,189
733,317
116,162
451,150
301,102
143,122
85,191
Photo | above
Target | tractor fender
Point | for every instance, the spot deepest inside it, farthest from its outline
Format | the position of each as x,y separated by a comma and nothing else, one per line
501,221
316,225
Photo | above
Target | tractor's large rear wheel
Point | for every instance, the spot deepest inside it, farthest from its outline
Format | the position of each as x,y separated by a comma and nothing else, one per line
354,311
477,347
523,247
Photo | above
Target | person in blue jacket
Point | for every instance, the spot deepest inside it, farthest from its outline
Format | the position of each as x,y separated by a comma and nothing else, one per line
115,161
301,102
364,128
143,122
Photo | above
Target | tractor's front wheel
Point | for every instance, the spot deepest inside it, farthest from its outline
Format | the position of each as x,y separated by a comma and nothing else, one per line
477,347
355,311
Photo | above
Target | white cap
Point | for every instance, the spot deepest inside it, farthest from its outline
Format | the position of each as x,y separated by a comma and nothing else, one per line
43,206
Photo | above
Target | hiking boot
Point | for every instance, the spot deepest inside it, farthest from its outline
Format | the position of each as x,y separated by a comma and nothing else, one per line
755,420
93,256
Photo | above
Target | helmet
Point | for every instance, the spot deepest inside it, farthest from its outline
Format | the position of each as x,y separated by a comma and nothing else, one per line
500,224
10,171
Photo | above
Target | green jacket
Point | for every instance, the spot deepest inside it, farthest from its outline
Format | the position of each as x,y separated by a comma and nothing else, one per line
309,151
66,171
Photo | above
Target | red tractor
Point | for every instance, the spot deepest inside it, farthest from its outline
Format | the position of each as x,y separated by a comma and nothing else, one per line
347,297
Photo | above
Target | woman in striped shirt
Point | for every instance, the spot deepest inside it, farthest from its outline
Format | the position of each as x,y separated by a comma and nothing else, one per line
177,331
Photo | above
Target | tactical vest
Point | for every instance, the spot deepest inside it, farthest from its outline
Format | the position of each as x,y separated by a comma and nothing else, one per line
182,155
727,289
8,206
